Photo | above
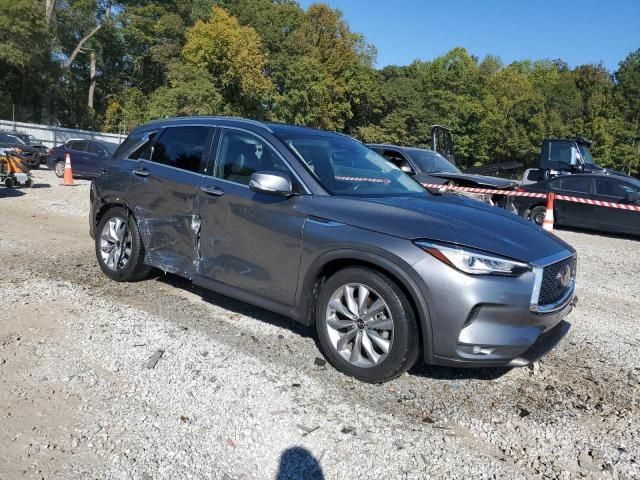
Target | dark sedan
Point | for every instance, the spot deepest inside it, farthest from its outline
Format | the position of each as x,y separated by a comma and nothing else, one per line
37,145
607,188
11,141
429,167
86,157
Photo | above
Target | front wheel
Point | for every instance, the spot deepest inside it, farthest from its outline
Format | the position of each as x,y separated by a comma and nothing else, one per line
59,168
366,326
119,248
537,214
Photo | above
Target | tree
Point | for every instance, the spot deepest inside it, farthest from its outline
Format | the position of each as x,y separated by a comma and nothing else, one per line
233,57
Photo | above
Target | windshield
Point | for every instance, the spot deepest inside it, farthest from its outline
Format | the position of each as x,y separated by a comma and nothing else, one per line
585,153
429,161
346,167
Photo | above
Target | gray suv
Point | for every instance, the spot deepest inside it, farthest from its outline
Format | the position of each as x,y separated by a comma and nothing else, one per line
318,227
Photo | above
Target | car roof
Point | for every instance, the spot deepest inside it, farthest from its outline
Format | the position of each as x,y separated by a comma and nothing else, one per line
272,127
99,142
631,180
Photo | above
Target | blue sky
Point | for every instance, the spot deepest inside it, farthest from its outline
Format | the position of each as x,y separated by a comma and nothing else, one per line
579,32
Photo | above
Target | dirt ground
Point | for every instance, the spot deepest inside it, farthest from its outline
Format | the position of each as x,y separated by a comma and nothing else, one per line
239,392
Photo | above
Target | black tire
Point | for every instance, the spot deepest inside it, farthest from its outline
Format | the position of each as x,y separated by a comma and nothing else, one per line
135,269
58,168
536,215
405,344
9,182
29,183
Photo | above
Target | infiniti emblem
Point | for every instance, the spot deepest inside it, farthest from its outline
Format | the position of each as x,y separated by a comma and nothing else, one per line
564,277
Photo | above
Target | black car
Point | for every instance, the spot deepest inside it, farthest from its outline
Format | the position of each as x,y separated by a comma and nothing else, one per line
30,155
607,188
33,142
428,166
86,156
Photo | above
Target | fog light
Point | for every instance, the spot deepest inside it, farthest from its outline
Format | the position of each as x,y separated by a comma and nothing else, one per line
478,350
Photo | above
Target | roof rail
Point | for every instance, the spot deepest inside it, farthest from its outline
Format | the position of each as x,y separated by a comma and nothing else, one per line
214,117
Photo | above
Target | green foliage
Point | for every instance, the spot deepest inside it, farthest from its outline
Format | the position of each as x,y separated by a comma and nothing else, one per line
272,59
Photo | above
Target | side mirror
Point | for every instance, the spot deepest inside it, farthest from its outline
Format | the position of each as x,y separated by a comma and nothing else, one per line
574,156
632,198
407,169
273,183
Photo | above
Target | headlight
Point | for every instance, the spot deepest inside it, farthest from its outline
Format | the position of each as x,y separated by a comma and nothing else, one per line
474,263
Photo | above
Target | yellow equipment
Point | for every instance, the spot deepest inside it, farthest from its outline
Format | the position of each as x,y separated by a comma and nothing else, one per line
13,171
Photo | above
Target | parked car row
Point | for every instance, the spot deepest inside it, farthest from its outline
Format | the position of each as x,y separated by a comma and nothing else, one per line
87,156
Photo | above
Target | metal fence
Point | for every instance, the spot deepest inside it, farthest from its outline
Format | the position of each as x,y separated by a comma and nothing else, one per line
53,136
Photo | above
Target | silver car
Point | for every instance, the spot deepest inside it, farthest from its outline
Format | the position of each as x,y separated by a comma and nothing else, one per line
318,227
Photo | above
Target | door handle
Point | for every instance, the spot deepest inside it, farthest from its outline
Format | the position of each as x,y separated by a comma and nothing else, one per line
212,190
143,172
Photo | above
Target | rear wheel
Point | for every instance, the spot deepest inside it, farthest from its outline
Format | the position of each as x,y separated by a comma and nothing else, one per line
537,214
119,248
59,168
366,326
9,182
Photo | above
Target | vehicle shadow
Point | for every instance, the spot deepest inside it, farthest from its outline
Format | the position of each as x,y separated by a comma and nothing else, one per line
41,185
420,369
298,462
10,192
437,372
236,306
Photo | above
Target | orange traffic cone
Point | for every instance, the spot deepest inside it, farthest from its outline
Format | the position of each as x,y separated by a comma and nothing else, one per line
68,174
548,216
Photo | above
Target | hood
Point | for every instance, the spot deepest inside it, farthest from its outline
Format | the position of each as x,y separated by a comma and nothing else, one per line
472,179
444,218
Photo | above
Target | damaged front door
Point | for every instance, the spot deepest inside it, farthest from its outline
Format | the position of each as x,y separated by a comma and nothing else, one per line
166,196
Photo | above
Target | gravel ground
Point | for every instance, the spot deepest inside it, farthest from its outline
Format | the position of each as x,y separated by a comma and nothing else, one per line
237,392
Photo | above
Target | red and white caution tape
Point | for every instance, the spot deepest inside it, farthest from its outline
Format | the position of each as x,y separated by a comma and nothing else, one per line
509,193
599,203
386,181
516,193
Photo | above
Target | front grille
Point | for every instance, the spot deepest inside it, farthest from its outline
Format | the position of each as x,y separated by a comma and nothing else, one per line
552,288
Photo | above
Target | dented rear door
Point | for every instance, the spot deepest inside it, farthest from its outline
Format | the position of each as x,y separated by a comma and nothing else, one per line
165,196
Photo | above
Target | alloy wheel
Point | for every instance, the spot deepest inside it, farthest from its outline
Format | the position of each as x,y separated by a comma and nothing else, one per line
115,243
59,169
360,325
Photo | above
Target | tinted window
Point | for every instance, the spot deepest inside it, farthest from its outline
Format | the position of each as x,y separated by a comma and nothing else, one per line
144,151
242,154
181,147
10,139
95,149
396,158
78,146
613,189
575,184
560,152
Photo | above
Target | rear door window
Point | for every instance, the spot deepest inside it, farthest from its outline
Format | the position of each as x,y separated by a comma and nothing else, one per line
576,184
182,147
78,146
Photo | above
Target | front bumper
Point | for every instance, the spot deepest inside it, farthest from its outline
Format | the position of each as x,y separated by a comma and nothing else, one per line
488,320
